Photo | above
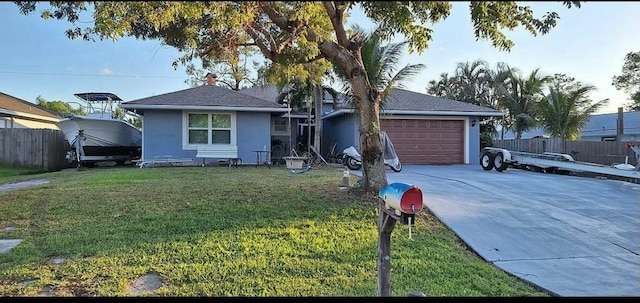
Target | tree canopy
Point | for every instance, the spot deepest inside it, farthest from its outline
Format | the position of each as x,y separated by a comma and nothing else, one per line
290,33
629,79
61,107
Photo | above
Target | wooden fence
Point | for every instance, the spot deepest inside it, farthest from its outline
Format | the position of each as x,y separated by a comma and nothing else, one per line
33,148
601,152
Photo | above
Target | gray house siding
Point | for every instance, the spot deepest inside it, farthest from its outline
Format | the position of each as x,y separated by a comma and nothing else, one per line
163,129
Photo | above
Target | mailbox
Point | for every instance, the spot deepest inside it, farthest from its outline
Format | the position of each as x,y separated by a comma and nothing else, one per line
405,200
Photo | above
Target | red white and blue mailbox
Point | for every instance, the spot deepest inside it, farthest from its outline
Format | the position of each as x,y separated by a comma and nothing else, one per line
405,200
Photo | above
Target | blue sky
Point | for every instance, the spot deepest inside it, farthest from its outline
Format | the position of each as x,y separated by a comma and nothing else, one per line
589,44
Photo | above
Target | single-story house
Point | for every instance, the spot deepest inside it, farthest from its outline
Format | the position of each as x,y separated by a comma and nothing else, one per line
206,123
220,123
600,127
18,113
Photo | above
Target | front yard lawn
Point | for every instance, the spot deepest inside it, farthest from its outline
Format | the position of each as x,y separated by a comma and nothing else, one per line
215,231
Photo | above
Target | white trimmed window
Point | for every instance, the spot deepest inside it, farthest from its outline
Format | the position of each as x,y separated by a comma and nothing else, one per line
279,126
209,129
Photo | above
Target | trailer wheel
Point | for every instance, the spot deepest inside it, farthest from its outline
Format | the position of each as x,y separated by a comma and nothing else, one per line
498,162
486,160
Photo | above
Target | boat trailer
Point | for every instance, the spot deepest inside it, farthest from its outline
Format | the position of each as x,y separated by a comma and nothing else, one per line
500,159
76,154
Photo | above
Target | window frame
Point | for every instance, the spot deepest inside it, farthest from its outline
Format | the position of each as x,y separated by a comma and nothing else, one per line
274,131
185,129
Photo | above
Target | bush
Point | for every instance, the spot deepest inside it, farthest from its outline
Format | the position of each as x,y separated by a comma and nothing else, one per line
486,140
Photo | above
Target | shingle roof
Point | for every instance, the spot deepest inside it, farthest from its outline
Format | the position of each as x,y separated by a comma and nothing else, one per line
18,105
264,92
205,95
270,93
402,99
266,96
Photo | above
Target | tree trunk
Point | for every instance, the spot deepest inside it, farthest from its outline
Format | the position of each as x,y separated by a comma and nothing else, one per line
317,101
368,103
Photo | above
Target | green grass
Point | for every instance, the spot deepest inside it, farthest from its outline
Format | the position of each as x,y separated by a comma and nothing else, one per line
216,231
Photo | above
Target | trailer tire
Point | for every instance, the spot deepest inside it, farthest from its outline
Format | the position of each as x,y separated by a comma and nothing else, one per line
486,160
498,162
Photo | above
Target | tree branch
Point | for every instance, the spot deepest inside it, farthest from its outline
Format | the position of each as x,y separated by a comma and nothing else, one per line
336,14
257,27
275,16
263,48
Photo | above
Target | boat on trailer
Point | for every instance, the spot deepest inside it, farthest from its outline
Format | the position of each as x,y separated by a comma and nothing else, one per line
100,135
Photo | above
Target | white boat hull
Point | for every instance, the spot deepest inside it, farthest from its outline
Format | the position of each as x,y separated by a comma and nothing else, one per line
104,139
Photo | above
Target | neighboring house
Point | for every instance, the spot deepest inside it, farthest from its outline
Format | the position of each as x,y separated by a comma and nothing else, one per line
18,113
604,127
206,123
600,127
423,129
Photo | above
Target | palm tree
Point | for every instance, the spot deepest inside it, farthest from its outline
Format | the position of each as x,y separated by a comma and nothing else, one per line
446,87
474,82
380,62
520,97
562,114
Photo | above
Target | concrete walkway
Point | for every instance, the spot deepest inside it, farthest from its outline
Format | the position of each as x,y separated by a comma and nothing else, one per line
569,235
18,185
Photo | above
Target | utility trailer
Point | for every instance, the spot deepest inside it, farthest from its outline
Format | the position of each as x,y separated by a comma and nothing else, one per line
500,158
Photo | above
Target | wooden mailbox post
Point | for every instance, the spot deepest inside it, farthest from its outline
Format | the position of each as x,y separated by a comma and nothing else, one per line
398,202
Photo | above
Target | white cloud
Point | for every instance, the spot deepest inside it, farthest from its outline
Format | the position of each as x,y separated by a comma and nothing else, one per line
106,72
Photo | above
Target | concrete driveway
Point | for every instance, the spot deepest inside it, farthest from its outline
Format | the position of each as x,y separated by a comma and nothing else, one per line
569,235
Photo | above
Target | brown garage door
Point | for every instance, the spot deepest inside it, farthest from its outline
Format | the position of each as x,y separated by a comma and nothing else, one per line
421,141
